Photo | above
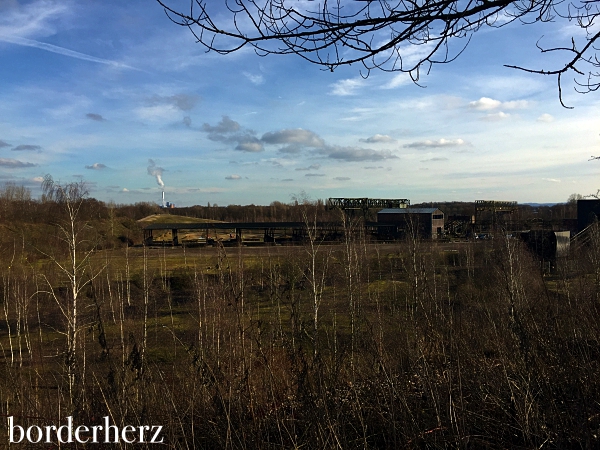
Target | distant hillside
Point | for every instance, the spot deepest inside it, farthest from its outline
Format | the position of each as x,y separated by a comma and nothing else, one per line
537,205
172,218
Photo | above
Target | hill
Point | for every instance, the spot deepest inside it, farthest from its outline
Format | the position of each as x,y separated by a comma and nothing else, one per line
172,218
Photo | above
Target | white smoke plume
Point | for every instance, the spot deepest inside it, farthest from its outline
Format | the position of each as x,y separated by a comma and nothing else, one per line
156,171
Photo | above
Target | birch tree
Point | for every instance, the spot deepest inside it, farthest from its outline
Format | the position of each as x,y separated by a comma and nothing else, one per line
74,267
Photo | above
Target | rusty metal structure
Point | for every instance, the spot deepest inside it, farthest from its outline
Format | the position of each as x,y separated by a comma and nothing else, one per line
364,204
497,208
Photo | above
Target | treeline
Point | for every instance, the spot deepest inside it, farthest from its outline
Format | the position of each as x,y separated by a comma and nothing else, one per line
17,206
557,212
282,212
275,212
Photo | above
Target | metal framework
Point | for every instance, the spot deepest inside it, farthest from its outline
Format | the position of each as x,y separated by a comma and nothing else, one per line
297,229
495,205
497,208
366,203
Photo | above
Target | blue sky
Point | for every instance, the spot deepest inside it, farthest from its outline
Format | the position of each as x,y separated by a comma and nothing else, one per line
113,93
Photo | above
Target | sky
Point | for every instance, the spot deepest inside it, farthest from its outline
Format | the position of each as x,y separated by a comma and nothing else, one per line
114,94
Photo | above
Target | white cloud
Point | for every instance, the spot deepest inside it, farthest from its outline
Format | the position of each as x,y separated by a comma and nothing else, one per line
552,180
25,24
14,163
435,159
158,112
378,138
436,144
411,55
183,102
96,166
296,136
496,116
32,20
229,131
517,85
501,18
299,139
209,190
351,154
573,29
400,79
311,167
547,118
516,104
254,79
233,177
487,104
346,87
251,147
226,125
27,148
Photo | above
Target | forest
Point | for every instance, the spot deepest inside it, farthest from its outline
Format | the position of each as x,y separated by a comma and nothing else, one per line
359,344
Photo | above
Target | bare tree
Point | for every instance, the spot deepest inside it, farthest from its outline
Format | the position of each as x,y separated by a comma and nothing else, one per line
75,267
318,262
382,34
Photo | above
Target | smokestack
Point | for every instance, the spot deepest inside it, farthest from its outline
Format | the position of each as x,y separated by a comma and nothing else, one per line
157,172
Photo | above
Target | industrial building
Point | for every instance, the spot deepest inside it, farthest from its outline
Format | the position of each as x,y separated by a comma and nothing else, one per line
588,212
427,223
546,244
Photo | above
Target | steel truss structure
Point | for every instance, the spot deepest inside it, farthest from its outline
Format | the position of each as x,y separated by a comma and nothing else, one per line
366,203
495,205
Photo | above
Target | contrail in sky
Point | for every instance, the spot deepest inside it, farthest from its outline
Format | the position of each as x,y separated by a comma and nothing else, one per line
61,51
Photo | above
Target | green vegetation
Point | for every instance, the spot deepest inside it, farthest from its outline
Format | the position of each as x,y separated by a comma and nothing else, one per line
351,345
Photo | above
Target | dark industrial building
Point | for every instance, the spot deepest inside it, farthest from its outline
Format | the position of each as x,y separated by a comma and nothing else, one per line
588,211
427,223
548,245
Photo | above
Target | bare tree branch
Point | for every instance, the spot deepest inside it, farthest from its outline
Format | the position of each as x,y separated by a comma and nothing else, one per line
382,34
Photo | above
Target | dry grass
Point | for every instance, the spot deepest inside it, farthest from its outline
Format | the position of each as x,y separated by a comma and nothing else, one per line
173,218
413,346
